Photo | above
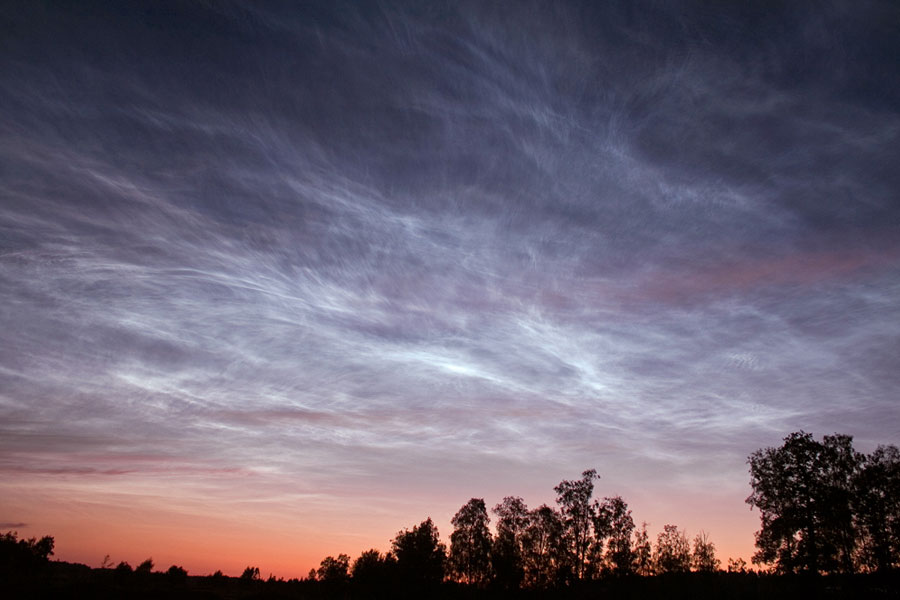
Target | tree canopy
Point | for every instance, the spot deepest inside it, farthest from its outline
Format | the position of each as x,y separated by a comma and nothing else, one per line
421,557
824,507
470,543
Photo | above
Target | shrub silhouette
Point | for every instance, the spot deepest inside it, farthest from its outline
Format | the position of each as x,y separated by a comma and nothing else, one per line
124,568
145,567
176,574
24,555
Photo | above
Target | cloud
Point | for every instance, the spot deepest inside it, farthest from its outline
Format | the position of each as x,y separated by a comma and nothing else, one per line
317,246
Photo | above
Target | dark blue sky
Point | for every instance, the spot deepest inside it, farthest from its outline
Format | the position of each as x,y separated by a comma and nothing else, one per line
371,259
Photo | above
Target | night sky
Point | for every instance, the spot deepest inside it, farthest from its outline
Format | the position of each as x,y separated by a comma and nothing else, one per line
278,280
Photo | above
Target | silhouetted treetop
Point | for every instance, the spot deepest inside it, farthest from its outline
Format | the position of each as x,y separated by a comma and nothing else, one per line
145,567
420,554
703,558
334,570
470,543
24,554
614,527
673,552
372,568
876,507
574,500
824,507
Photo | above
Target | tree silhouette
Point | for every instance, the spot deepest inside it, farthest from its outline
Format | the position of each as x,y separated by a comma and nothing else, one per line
470,543
420,554
825,509
574,500
804,492
545,551
737,565
613,523
145,567
506,554
673,552
877,509
123,568
334,570
372,568
840,466
704,558
177,575
24,555
643,553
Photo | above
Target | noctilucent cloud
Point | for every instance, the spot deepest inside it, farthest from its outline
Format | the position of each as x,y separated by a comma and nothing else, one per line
278,280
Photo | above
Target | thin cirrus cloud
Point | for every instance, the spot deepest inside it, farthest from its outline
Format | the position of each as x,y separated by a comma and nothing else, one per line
342,257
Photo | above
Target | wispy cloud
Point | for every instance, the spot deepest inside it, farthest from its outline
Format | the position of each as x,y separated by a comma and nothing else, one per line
349,251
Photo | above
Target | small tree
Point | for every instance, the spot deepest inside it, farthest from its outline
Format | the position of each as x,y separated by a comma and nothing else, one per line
643,553
250,574
738,565
704,556
673,552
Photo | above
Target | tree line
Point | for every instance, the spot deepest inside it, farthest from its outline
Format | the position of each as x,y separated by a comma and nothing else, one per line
581,538
825,509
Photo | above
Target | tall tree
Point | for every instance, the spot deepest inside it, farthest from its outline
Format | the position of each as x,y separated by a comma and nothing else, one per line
574,500
470,543
877,509
803,490
613,523
544,549
840,465
673,552
420,554
506,554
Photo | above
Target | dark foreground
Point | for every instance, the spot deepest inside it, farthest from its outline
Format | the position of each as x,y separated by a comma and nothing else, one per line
59,580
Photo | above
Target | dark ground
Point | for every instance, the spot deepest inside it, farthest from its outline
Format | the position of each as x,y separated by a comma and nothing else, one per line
60,580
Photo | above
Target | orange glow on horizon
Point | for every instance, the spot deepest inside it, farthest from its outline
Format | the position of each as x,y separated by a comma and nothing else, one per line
232,538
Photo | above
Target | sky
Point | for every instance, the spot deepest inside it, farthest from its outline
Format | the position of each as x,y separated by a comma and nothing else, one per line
278,279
